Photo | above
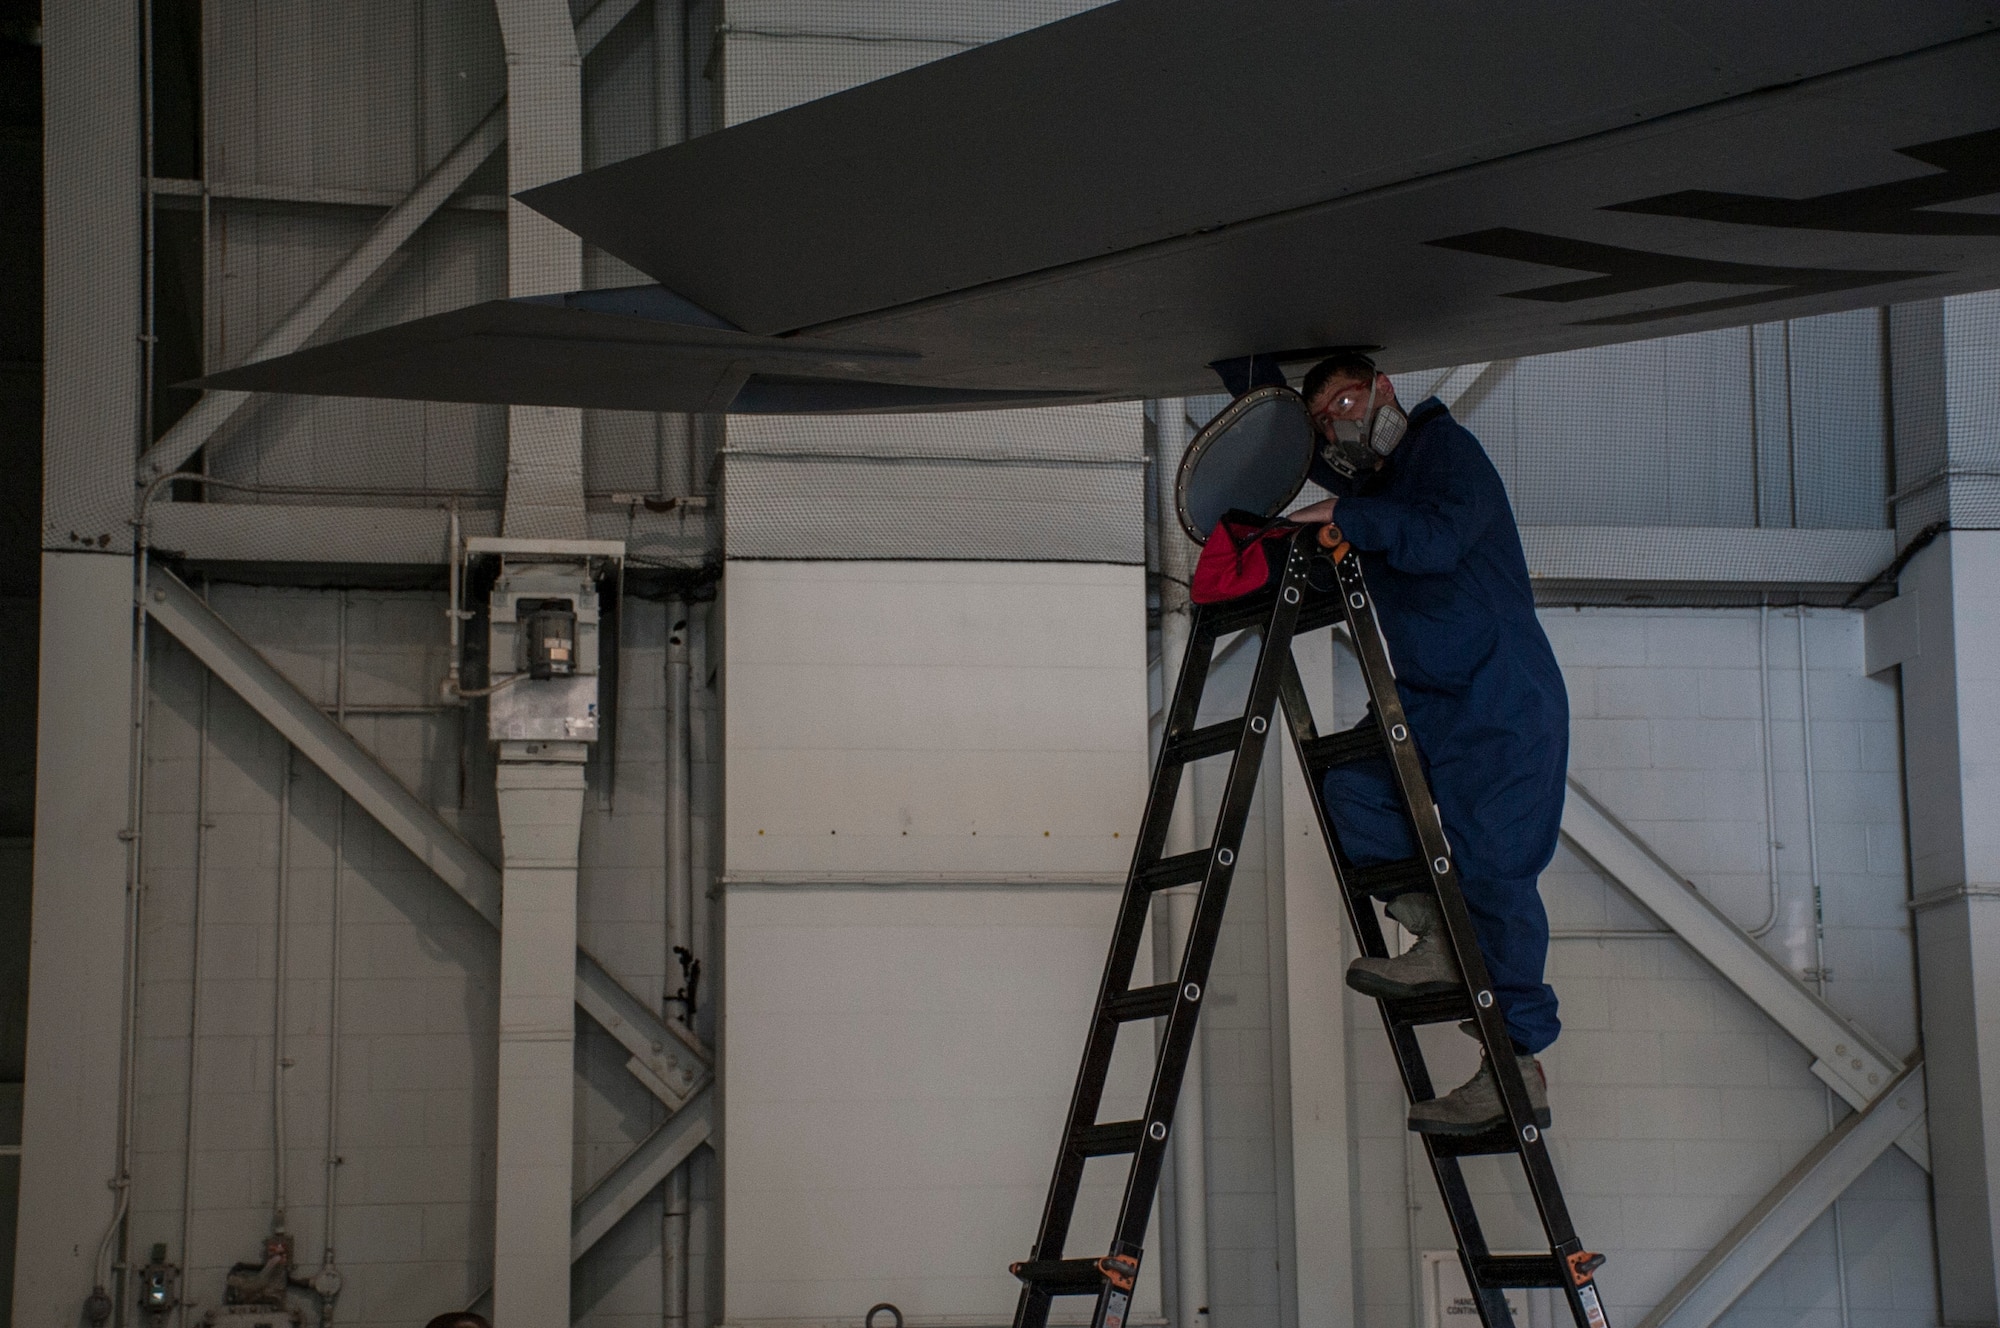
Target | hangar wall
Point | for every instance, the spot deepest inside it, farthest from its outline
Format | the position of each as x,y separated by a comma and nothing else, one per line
1676,1102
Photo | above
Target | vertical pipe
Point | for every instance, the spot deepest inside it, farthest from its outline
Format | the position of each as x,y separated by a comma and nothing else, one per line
134,836
1756,440
455,613
1770,794
148,226
194,977
327,1280
1791,437
1812,820
281,978
1173,913
1819,927
680,935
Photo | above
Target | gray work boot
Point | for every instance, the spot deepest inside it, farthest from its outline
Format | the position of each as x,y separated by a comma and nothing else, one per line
1474,1106
1425,969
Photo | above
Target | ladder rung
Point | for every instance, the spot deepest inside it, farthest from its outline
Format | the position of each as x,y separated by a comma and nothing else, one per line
1142,1003
1445,1008
1322,754
1319,611
1389,878
1499,1139
1220,620
1211,741
1061,1277
1517,1270
1112,1137
1180,869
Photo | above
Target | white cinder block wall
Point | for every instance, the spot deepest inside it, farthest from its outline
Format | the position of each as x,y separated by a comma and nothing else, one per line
1677,1104
935,772
417,970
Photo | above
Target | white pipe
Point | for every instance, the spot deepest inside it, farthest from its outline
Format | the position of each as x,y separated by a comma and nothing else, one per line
194,978
1812,819
1173,913
279,1062
680,932
1770,797
134,837
1819,922
327,1280
453,612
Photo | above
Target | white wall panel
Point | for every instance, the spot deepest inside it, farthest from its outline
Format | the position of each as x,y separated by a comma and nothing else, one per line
955,719
898,1058
899,1062
416,1085
263,264
1677,1104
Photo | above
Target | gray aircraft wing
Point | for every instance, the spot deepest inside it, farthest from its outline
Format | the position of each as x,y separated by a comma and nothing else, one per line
1101,208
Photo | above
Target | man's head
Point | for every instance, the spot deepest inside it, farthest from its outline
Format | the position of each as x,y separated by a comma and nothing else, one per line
1338,387
1353,406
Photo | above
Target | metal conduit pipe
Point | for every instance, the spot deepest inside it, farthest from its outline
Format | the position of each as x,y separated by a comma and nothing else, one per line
679,937
1173,910
194,976
1819,921
279,1061
1770,796
120,1181
327,1280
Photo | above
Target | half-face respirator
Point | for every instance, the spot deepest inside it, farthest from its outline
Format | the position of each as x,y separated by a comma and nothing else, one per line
1354,447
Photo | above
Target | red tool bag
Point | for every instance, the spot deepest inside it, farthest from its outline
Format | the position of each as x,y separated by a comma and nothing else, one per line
1244,554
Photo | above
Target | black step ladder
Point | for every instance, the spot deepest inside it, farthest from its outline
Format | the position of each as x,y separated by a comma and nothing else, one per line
1313,592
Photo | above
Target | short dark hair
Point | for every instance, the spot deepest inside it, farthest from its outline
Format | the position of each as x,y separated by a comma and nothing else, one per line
1343,364
458,1319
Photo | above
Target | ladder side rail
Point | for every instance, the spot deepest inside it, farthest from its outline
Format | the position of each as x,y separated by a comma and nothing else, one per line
1405,762
1142,1181
1032,1309
1410,1063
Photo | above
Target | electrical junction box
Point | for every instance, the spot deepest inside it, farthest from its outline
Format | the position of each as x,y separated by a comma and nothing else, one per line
542,639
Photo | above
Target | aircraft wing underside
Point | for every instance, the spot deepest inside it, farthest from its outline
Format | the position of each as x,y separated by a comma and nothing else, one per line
1101,208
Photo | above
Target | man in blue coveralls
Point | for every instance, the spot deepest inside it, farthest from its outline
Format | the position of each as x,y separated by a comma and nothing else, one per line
1420,501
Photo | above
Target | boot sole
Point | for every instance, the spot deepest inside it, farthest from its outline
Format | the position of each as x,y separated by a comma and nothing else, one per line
1382,989
1459,1130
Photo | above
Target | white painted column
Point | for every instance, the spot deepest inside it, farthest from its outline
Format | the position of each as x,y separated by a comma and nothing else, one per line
544,143
76,1000
1173,910
541,793
541,810
1315,959
1951,722
84,730
1948,415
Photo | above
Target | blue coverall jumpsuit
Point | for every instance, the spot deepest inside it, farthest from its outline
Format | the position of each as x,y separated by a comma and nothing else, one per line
1484,696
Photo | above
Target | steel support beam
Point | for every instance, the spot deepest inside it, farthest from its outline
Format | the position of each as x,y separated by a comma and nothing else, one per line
216,409
1850,1062
665,1058
1782,1216
640,1173
320,740
636,1175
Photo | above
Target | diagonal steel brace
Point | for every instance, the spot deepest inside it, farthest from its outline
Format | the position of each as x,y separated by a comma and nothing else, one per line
666,1057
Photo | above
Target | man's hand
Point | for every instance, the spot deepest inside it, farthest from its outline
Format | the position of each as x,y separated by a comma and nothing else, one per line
1317,514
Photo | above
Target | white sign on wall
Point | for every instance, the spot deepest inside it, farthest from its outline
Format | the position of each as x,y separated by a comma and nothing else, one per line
1448,1299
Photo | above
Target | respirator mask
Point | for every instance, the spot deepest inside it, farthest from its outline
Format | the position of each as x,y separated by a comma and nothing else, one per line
1353,447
